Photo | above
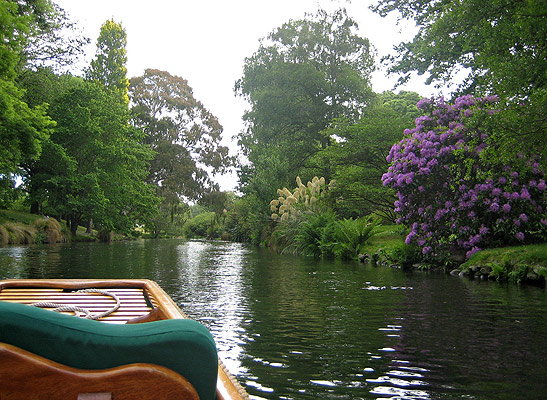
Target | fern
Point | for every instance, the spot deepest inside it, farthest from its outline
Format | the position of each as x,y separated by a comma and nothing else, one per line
351,235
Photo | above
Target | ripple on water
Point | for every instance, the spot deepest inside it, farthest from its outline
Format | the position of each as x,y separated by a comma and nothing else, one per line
400,393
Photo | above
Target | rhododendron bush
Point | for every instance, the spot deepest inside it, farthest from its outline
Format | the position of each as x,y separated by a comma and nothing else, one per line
452,194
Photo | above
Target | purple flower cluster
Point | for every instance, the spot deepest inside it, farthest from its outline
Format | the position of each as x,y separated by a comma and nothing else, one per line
453,196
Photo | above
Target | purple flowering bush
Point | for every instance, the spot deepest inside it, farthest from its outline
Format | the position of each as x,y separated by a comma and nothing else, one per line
452,194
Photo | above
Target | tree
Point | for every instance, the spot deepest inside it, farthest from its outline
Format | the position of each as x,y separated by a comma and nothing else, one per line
108,67
501,43
502,47
358,158
95,164
183,133
51,39
22,128
304,74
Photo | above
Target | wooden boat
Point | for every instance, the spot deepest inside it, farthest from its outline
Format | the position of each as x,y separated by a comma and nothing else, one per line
27,375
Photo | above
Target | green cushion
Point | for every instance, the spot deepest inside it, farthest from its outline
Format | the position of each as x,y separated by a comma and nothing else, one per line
183,345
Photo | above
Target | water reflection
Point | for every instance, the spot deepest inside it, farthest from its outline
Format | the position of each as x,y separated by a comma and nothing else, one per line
216,266
296,328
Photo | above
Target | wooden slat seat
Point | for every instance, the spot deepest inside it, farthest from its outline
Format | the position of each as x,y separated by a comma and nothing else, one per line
133,302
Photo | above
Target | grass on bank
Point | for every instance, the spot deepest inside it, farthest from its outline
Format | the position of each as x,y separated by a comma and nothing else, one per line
514,263
511,263
17,227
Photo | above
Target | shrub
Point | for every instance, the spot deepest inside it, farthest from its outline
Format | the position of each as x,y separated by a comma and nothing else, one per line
404,255
199,225
452,193
4,235
302,233
351,235
49,231
20,234
303,198
313,231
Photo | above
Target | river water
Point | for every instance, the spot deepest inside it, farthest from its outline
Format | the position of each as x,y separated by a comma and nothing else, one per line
299,328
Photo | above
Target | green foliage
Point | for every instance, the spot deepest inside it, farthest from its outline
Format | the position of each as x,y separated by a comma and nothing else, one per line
172,214
500,42
94,167
200,226
500,46
109,66
357,159
243,223
10,194
512,263
351,235
184,136
320,234
22,128
404,255
50,38
304,234
304,74
17,216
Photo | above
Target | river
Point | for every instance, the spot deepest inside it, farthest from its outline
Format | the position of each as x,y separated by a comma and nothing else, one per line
299,328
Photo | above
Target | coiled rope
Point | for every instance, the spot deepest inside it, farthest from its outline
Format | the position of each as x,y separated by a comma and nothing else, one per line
63,307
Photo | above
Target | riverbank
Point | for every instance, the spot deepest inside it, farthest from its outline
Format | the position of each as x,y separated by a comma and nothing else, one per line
519,264
18,227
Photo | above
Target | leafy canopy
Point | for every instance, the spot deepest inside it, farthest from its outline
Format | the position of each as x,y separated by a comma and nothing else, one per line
100,174
108,66
502,44
22,128
184,134
304,74
357,157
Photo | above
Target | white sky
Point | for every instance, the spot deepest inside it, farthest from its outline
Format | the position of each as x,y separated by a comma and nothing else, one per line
206,42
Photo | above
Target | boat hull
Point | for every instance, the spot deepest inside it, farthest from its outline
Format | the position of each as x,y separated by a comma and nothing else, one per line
140,301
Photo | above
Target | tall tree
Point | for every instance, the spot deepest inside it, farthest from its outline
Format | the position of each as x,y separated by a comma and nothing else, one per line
502,43
109,64
52,39
22,128
184,134
358,158
304,74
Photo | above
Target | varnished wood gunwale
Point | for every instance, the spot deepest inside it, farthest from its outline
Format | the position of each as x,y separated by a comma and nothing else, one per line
47,379
164,308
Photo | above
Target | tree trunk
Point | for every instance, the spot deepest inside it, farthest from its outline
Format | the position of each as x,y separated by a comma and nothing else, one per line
89,230
74,222
35,208
106,236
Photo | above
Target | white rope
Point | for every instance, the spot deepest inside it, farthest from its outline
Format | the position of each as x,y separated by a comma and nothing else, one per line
63,307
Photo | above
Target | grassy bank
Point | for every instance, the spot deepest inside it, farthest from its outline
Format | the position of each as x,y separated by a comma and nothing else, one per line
387,246
514,263
18,227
